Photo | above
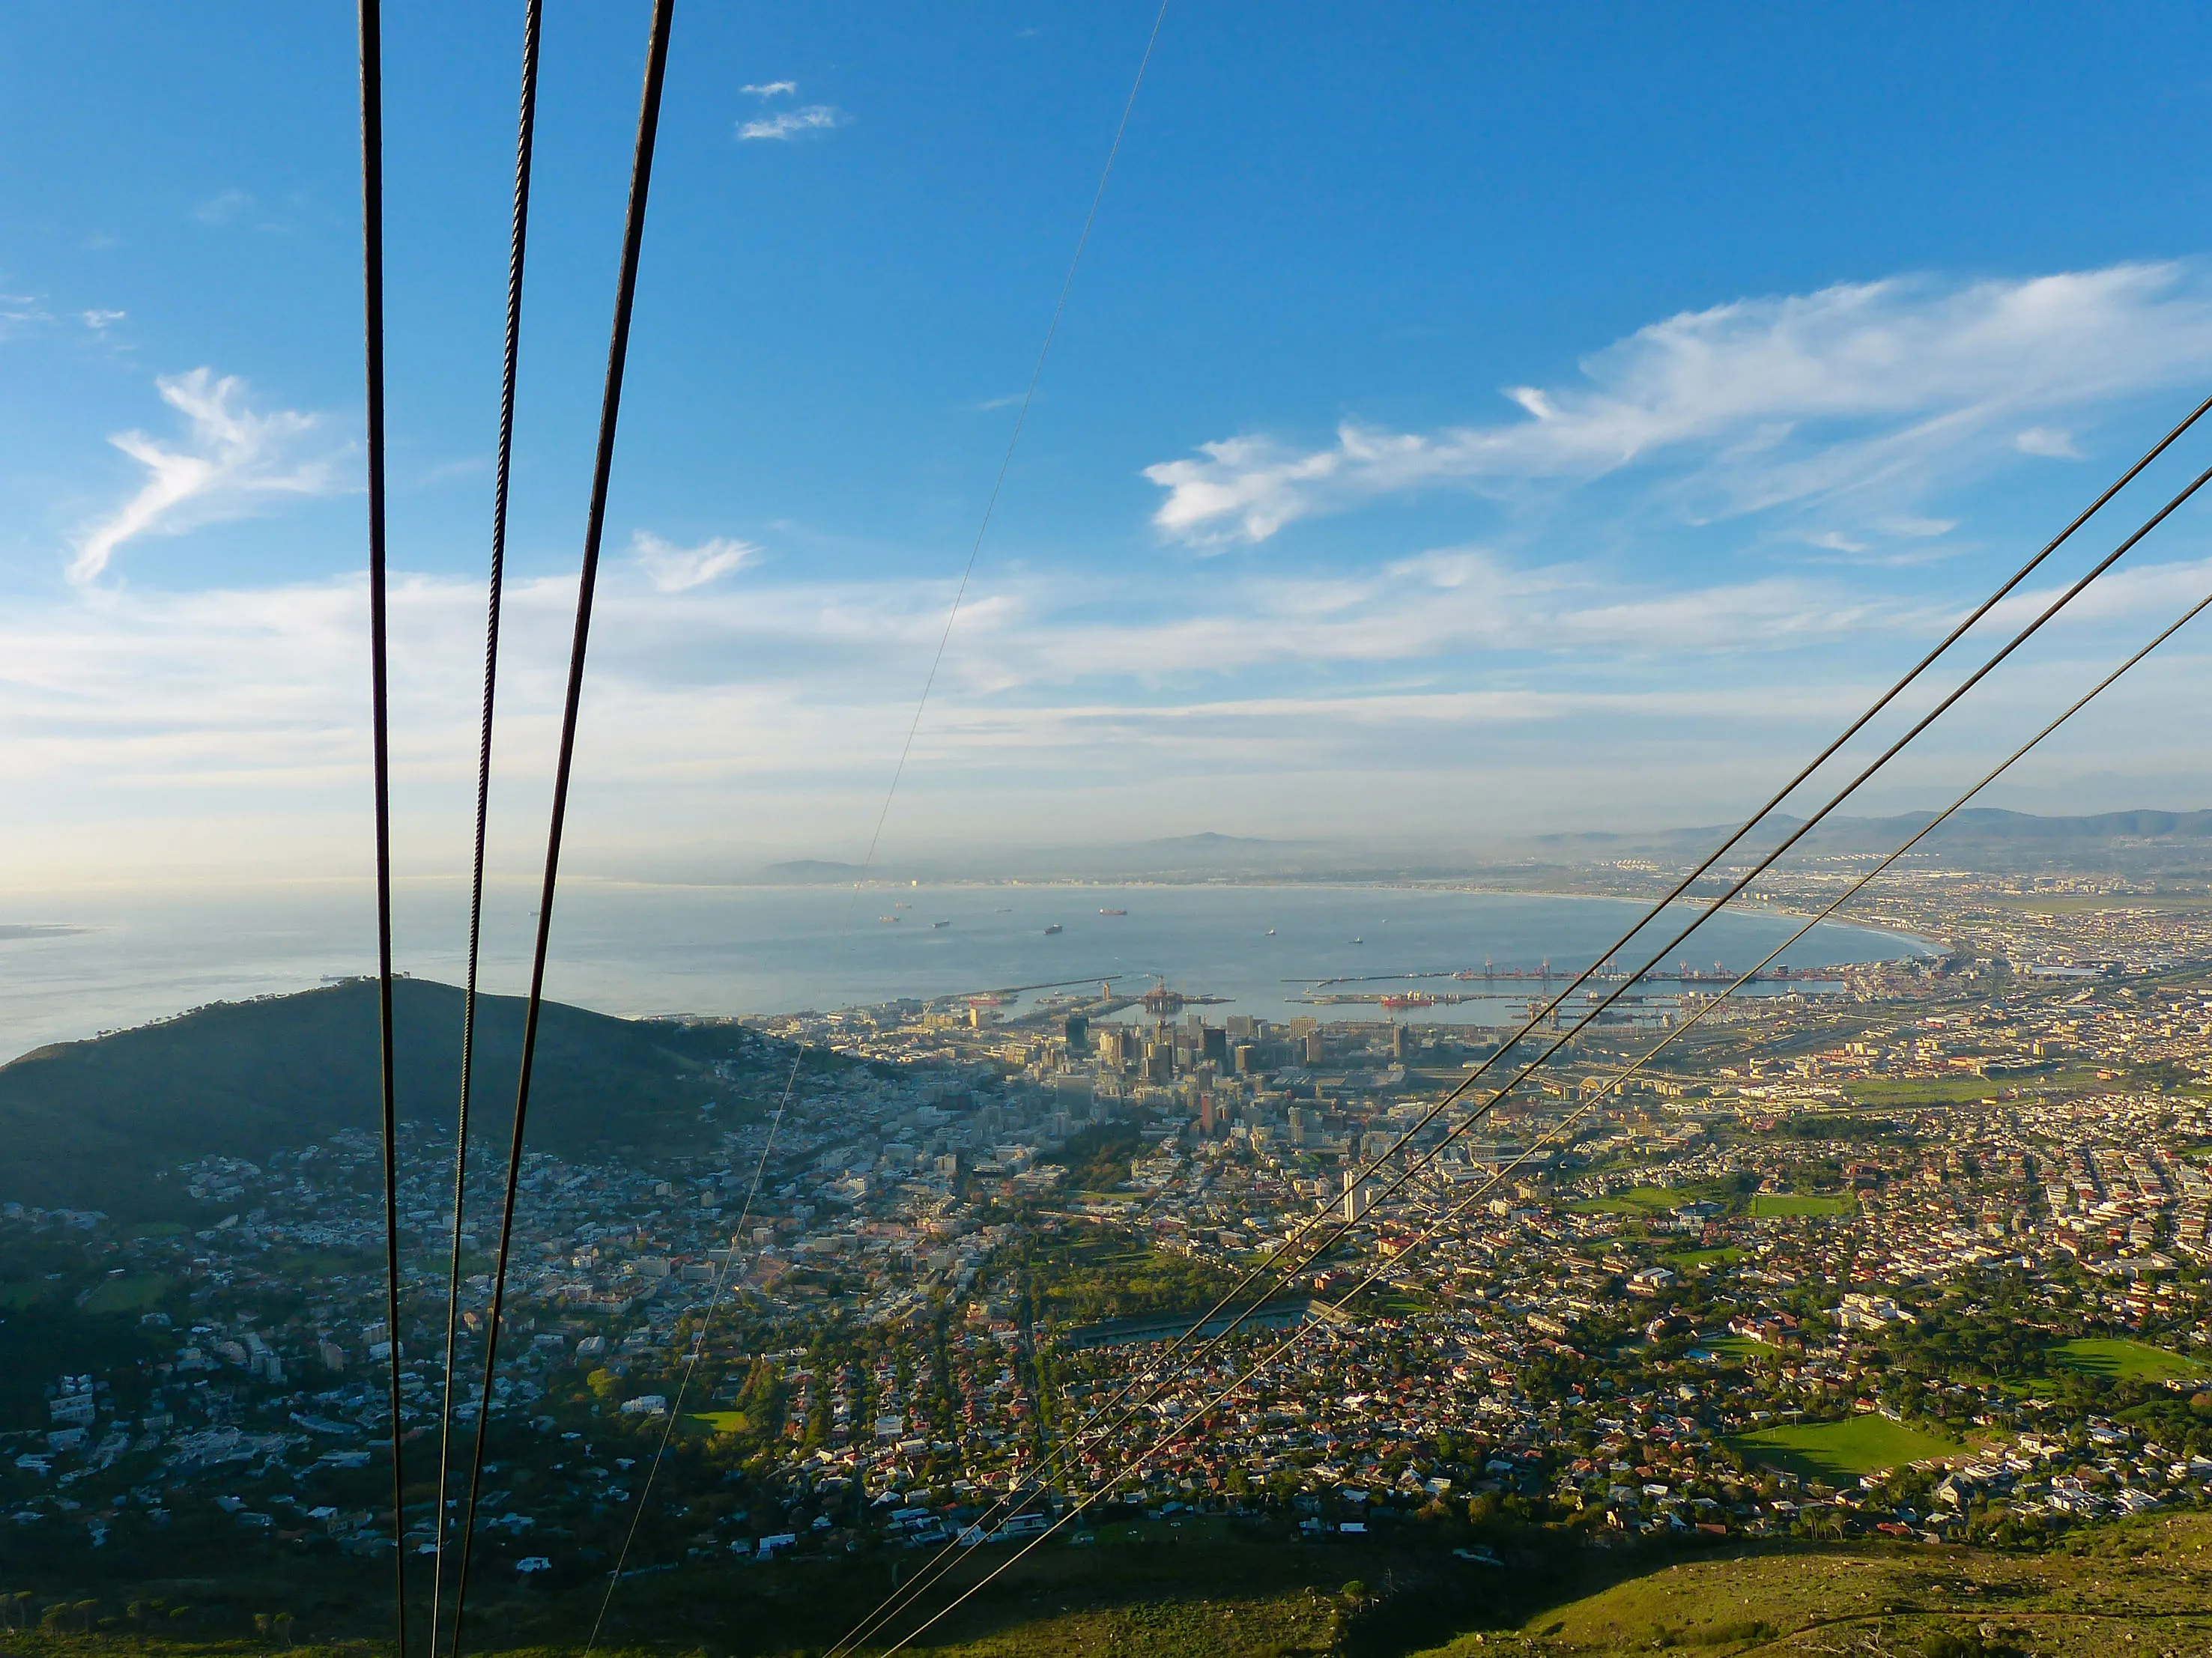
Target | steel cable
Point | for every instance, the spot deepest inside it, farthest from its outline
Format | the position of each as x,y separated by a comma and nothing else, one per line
372,267
1291,1244
641,179
1190,1423
525,124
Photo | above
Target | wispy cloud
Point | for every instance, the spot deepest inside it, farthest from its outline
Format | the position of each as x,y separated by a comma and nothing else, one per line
99,321
1867,388
673,569
225,207
233,462
22,313
772,88
1318,702
790,124
2047,442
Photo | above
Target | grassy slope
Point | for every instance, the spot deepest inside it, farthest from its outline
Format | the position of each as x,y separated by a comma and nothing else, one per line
87,1123
2143,1586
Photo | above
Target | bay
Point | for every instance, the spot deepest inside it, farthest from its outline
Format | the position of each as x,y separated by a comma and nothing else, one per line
93,961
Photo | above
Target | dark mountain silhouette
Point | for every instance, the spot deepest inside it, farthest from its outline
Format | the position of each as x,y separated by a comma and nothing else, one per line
87,1124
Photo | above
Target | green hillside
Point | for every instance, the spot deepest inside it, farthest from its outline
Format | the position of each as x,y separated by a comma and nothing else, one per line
86,1124
2142,1586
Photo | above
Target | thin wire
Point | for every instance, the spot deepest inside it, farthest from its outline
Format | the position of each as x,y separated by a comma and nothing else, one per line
691,1364
641,178
525,127
1183,1427
1292,1243
898,772
372,269
1021,419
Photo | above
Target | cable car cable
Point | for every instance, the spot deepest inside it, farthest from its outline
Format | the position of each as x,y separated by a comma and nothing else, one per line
1292,1243
1184,1427
1283,1251
517,239
656,69
372,269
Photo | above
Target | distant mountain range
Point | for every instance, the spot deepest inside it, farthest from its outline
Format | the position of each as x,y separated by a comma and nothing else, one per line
1980,836
87,1124
1180,856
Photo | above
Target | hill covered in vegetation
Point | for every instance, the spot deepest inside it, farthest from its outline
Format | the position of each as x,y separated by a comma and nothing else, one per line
86,1125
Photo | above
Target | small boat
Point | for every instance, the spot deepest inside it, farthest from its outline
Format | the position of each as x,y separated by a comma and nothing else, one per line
1113,912
1053,928
888,920
1360,941
902,906
941,924
1271,933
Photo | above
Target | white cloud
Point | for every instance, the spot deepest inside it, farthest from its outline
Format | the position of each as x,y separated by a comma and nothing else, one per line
22,313
2047,442
99,321
233,464
673,569
772,88
226,207
1864,388
789,123
227,730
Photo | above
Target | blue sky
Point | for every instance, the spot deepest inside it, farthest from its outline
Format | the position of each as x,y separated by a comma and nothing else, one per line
1465,420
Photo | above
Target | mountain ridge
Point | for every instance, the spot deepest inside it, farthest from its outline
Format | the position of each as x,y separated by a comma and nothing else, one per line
88,1124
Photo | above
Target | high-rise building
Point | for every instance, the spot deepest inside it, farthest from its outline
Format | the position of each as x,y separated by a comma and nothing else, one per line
1213,1045
1159,1062
1358,1195
1078,1034
1314,1053
1247,1059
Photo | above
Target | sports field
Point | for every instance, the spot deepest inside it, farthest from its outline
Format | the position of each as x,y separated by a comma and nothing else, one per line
2126,1361
1642,1200
1690,1258
1841,1451
134,1293
1779,1205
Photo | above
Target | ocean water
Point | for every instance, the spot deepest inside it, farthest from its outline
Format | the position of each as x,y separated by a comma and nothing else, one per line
80,965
